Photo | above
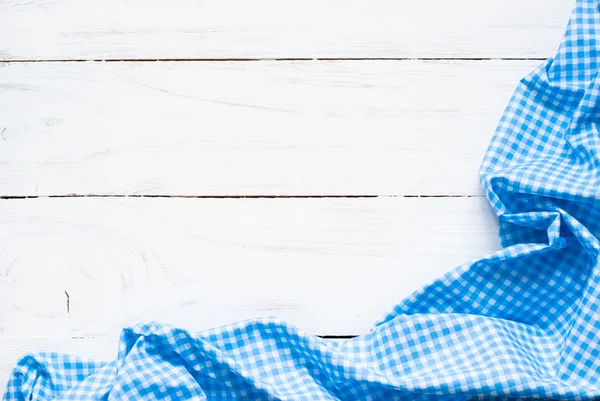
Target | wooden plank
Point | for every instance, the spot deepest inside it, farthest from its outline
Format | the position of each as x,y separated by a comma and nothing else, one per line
135,29
250,128
329,266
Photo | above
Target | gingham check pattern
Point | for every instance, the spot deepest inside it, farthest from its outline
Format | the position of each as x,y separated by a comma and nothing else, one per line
523,322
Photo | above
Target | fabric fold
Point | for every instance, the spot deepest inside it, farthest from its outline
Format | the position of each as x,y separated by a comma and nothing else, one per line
521,323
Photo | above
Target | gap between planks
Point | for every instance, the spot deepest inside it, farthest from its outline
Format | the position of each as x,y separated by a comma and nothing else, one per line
216,60
232,196
104,338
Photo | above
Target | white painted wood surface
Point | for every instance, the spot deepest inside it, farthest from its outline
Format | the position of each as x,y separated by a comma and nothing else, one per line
349,127
330,266
250,128
103,29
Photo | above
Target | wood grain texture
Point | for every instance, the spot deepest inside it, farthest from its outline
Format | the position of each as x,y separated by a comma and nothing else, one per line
134,29
329,266
250,128
74,271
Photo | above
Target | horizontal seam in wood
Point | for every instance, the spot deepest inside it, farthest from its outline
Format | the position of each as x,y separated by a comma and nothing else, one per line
109,338
7,197
147,60
334,337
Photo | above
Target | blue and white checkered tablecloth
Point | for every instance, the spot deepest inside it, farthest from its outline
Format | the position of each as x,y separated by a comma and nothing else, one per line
523,322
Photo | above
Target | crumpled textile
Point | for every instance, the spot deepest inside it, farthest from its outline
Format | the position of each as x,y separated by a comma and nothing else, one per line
523,322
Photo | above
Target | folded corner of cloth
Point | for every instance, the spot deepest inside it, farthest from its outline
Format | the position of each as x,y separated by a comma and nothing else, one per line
521,323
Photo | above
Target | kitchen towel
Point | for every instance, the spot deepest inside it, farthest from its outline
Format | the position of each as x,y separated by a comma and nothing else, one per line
523,322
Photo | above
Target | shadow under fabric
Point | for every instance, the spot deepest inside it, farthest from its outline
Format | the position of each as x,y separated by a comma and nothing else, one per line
523,322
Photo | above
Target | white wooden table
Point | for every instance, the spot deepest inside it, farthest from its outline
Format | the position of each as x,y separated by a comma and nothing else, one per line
205,161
